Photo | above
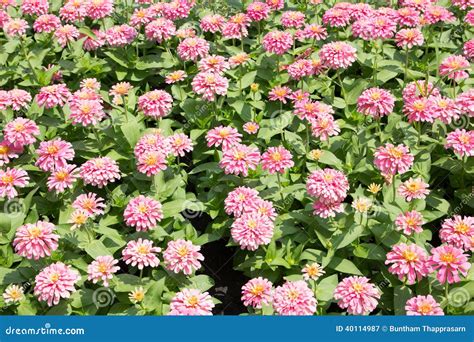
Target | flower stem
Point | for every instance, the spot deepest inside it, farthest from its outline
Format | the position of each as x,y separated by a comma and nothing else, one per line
281,188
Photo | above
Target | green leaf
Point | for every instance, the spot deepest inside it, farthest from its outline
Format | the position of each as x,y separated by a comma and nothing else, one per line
400,296
370,251
96,248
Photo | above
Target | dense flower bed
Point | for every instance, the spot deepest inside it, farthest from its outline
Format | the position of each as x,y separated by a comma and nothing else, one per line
328,144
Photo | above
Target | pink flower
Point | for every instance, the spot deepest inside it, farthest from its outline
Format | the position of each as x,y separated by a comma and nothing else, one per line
121,35
294,298
329,185
102,269
336,17
257,292
238,159
191,302
65,34
180,144
409,222
90,203
35,241
420,110
152,142
251,127
155,103
141,253
434,14
413,189
239,199
454,67
54,154
323,126
182,256
238,59
119,91
99,171
423,306
326,209
446,109
258,11
468,49
337,55
226,136
62,178
418,89
193,48
262,207
292,19
209,84
470,17
20,132
34,7
315,31
143,213
449,261
53,95
277,42
392,160
465,101
8,151
213,64
15,27
93,43
252,230
73,10
98,9
160,29
277,159
458,231
275,4
357,295
461,141
141,16
175,76
312,271
19,98
309,110
408,38
408,16
11,178
212,23
236,27
279,94
5,100
376,102
54,282
151,162
409,261
300,68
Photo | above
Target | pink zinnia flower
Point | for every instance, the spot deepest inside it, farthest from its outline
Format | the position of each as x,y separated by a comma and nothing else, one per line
357,295
419,89
465,101
155,103
236,27
323,126
408,261
98,9
420,109
329,185
191,302
62,178
15,27
193,48
277,159
315,31
409,38
214,64
180,144
434,14
19,98
160,29
65,34
310,110
99,171
34,7
251,127
336,17
392,160
262,207
141,16
226,136
141,253
458,231
409,222
175,76
209,84
35,241
143,213
292,19
11,178
93,43
54,154
8,151
258,11
212,23
239,199
20,132
102,269
152,142
279,93
121,35
90,203
277,42
468,49
449,261
182,256
54,282
257,292
413,189
325,209
423,306
337,55
446,109
376,102
239,158
151,162
454,67
275,4
461,141
294,298
300,68
53,95
252,230
408,16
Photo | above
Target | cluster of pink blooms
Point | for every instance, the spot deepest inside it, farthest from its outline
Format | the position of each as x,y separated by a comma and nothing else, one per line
191,302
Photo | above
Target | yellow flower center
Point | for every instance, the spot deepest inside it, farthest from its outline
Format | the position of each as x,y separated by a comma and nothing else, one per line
419,106
328,177
182,251
54,277
103,268
252,224
142,208
464,138
142,249
34,232
293,294
257,290
151,159
239,155
413,187
7,179
410,255
19,127
425,308
357,287
461,228
448,257
375,96
52,149
395,152
61,175
4,149
138,296
276,156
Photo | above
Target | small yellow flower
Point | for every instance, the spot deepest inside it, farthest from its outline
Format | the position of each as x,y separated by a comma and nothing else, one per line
254,87
315,154
13,294
137,295
374,188
361,204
